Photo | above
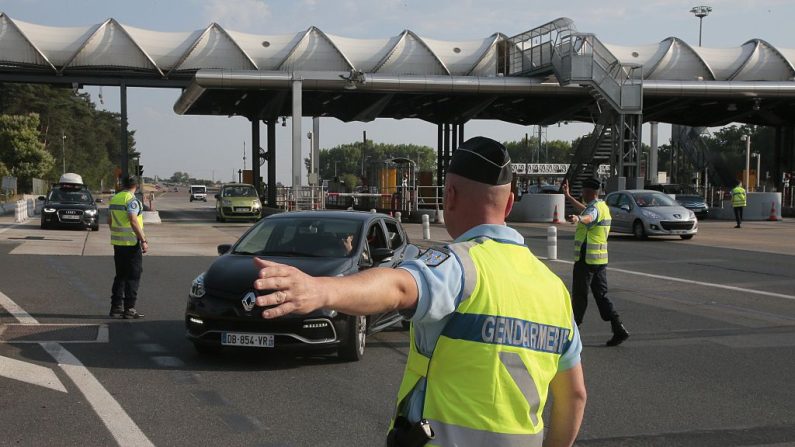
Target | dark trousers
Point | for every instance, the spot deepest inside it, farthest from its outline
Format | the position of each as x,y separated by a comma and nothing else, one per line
595,277
129,266
738,214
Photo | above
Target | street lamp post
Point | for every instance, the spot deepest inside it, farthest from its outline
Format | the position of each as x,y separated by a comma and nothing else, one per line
63,151
701,12
747,140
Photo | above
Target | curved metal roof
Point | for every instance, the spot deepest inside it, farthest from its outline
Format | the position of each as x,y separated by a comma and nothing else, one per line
112,46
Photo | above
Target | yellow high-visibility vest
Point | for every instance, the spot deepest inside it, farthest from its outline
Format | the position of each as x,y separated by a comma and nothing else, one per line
738,196
595,236
488,377
121,231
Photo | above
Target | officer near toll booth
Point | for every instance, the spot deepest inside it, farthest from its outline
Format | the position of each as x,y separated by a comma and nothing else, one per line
738,203
492,329
590,257
125,217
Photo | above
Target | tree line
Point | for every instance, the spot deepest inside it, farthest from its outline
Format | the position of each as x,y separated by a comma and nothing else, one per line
44,129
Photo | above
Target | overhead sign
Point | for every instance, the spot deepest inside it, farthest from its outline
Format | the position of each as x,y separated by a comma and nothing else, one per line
557,169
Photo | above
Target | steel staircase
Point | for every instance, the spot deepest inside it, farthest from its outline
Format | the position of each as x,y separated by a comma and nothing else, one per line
556,48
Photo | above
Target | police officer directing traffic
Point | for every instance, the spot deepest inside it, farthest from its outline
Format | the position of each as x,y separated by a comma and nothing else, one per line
738,203
590,257
492,329
129,243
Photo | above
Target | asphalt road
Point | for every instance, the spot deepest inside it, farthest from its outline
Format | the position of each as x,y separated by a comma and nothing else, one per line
709,362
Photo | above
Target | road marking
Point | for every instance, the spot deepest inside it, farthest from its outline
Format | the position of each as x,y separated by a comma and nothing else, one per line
690,281
14,225
167,361
123,429
30,373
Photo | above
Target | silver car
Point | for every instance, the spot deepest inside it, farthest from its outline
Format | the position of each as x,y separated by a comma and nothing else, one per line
650,213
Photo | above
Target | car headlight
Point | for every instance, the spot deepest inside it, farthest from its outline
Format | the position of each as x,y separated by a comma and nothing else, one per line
255,204
227,202
651,214
49,210
691,214
197,287
91,212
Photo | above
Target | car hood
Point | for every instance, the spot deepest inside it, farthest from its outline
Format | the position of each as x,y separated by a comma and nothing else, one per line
235,274
70,205
240,201
670,212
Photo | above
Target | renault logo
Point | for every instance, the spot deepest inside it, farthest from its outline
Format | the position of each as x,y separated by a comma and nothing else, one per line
249,300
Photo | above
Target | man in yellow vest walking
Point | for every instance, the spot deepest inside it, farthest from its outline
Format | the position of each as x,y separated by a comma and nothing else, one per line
492,329
590,257
738,203
125,217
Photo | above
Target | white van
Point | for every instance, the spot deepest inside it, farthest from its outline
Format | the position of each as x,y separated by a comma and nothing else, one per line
198,192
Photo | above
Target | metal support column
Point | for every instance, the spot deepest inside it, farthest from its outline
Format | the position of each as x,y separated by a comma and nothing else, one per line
453,142
446,154
439,154
255,145
124,143
460,134
653,152
316,146
271,162
297,138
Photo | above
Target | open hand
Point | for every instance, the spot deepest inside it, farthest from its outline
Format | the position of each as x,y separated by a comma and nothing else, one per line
565,187
289,289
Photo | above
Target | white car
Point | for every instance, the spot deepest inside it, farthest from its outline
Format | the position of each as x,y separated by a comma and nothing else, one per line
198,192
650,213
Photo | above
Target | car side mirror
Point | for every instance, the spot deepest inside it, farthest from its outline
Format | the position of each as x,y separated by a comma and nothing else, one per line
625,207
382,254
217,196
224,249
98,201
41,198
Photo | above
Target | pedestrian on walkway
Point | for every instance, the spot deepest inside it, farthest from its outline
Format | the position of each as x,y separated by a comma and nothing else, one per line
590,257
125,217
492,327
738,203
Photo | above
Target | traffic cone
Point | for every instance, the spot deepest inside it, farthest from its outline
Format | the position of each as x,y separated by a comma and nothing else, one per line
555,216
773,215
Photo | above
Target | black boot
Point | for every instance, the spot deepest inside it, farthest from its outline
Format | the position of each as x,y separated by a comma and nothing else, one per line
619,332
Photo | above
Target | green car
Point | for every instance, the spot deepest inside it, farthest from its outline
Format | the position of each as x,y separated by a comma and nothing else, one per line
237,201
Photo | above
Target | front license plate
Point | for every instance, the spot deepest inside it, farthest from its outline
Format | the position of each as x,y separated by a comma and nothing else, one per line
241,209
70,217
243,339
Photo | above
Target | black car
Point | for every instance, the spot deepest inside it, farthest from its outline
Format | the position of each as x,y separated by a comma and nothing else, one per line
222,308
69,206
694,203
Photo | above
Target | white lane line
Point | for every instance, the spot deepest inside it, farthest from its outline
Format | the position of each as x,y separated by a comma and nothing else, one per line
16,311
123,429
30,373
118,422
690,281
3,230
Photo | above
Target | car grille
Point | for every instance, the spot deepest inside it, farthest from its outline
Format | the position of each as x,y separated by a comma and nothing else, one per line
312,329
677,225
239,210
68,212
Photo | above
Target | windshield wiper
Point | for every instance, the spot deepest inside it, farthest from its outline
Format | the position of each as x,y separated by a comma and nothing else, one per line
288,253
244,253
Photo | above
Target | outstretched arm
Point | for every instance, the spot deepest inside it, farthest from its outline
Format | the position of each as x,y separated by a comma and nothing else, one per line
579,206
365,293
568,406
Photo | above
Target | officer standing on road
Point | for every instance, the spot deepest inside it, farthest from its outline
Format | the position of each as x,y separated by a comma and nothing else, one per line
590,257
129,243
492,327
738,203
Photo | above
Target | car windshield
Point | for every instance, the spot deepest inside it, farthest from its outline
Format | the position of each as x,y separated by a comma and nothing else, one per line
198,189
70,195
239,191
302,237
648,199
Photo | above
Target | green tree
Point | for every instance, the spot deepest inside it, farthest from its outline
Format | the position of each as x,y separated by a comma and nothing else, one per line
91,143
20,147
552,151
347,158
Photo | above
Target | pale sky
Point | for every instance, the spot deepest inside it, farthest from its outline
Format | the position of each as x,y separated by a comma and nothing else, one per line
213,146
